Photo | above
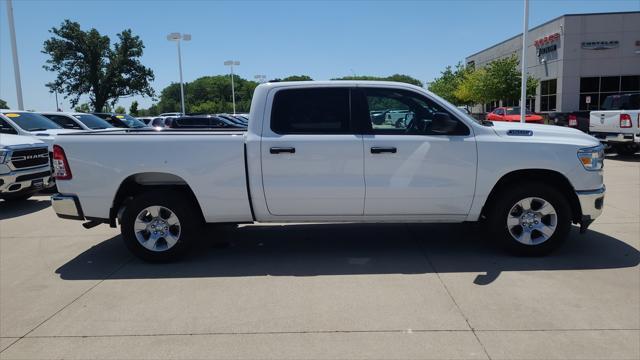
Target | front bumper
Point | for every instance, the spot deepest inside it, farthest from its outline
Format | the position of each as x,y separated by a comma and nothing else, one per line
67,206
26,180
591,204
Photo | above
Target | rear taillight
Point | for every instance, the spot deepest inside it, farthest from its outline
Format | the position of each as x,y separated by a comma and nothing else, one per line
625,121
573,121
61,169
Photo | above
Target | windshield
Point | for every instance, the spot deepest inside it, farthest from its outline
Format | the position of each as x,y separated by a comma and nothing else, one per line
31,121
516,111
93,122
621,102
130,121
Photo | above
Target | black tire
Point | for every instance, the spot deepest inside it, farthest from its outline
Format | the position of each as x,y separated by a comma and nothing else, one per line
188,214
506,200
627,149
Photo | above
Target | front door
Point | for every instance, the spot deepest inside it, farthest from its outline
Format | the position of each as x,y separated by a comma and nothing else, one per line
412,168
312,160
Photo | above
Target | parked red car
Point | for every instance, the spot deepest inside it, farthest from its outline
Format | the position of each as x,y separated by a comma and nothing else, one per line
512,114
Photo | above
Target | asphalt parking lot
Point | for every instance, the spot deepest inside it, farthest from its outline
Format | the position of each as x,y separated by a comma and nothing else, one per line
323,291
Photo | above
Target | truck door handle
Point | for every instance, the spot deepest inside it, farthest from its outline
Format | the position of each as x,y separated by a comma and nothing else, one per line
380,150
278,150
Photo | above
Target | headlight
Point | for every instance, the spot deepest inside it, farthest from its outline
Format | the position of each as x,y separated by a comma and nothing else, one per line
592,158
4,156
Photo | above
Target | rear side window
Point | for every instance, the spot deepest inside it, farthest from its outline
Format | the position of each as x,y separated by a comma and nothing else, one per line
311,111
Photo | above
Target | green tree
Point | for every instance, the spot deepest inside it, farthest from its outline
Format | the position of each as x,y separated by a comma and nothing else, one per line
449,81
209,94
3,104
84,107
120,110
498,80
87,64
293,78
395,77
298,78
471,89
133,109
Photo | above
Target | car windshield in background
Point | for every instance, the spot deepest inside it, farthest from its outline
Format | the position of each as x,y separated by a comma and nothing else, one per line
130,121
31,121
622,102
93,122
516,111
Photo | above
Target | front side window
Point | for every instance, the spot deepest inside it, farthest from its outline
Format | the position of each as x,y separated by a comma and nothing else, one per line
31,121
499,111
311,111
394,111
5,128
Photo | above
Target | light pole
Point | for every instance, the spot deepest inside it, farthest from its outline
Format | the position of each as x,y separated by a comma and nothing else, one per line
14,50
177,37
231,63
523,61
261,78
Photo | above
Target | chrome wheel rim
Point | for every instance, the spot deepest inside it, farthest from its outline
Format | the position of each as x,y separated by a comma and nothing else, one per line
157,228
532,221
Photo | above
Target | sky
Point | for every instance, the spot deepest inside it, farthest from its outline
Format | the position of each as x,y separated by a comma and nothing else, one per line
323,39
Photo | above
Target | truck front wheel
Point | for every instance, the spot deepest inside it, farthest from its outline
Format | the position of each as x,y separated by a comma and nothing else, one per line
530,219
159,226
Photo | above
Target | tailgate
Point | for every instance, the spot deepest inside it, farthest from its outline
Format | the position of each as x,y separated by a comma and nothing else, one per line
605,121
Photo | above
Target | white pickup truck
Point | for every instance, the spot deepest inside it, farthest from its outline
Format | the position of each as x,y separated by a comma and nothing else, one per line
24,167
618,123
311,153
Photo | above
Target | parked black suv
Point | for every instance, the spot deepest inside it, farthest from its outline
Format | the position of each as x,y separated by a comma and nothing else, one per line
200,122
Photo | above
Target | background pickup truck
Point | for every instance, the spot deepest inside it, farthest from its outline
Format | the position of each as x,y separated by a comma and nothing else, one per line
24,167
618,123
312,153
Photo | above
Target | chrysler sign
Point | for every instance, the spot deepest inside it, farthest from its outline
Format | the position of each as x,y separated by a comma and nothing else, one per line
600,45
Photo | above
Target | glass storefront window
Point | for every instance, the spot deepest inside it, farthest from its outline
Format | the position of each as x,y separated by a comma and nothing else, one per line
548,89
598,88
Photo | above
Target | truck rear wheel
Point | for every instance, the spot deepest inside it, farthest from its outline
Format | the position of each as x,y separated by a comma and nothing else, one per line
159,226
530,219
627,149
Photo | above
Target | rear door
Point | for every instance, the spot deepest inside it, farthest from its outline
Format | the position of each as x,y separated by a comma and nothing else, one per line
312,159
411,169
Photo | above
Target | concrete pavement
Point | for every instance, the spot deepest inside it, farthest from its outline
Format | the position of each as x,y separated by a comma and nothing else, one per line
323,291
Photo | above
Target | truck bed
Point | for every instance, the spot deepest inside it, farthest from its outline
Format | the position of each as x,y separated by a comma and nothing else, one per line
210,161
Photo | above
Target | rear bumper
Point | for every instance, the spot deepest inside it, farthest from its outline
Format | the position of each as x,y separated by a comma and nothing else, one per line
67,206
607,137
591,204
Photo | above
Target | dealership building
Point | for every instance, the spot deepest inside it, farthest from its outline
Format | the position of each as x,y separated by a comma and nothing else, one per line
578,60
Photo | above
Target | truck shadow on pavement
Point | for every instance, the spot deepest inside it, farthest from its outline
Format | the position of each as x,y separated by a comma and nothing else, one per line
350,249
624,158
12,209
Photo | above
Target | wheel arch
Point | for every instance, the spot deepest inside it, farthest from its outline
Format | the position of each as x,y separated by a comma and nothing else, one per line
546,176
137,183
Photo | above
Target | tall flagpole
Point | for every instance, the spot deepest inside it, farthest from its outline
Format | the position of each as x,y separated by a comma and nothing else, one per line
14,50
523,62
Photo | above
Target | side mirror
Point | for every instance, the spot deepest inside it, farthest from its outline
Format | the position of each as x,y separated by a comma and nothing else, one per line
443,124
